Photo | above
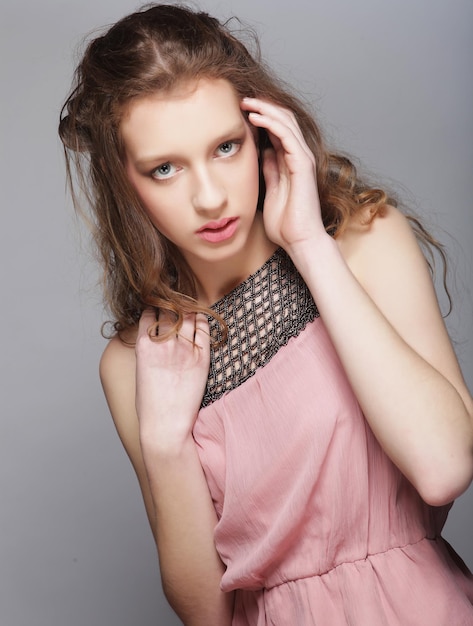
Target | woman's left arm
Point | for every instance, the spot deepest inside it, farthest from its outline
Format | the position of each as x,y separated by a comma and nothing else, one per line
375,295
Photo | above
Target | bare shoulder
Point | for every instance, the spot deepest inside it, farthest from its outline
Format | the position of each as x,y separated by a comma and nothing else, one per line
388,262
117,374
386,258
387,236
118,361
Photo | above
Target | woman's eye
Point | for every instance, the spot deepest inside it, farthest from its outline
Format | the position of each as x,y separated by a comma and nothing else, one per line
227,148
163,171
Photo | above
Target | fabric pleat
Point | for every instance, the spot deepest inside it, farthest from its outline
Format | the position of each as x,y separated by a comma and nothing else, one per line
316,525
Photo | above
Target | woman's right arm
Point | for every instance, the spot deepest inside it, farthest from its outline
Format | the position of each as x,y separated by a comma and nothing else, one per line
154,393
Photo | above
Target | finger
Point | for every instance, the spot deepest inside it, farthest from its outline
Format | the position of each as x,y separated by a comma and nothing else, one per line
195,330
265,107
165,325
269,109
291,144
187,329
202,330
152,324
147,320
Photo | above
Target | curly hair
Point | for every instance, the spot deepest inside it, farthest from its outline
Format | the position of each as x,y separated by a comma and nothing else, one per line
154,50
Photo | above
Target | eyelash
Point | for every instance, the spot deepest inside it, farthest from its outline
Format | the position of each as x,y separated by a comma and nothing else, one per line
235,143
155,171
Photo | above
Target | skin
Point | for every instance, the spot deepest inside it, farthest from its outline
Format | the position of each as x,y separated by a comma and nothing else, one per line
393,344
201,169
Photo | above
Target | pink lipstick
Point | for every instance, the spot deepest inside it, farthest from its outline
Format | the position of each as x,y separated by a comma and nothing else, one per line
221,230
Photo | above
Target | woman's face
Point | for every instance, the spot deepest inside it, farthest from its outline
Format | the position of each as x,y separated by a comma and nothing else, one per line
191,157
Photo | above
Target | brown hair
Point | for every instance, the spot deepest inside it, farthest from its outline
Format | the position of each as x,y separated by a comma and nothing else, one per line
153,50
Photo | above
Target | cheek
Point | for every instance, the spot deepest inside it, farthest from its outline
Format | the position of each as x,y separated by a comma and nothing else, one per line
163,222
158,212
154,200
154,206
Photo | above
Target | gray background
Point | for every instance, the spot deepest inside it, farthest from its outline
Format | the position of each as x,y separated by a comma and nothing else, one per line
392,83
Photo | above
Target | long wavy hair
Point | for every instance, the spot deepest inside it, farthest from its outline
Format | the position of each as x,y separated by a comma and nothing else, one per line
150,51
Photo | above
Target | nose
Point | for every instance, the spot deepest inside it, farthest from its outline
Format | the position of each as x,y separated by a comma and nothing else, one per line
209,195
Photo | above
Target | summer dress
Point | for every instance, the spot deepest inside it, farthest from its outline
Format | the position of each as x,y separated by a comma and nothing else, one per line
316,525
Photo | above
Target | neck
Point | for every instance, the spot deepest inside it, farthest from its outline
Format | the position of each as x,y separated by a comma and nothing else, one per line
214,280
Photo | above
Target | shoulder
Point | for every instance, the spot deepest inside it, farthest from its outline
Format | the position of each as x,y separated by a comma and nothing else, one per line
387,261
118,361
384,253
117,374
364,237
118,358
118,377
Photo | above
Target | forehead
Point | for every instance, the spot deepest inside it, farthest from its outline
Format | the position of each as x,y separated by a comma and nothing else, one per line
190,114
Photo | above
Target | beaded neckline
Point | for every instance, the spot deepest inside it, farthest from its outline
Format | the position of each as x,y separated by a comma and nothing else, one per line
262,313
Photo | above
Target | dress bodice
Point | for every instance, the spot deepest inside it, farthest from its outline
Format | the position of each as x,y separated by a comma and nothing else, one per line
316,525
261,314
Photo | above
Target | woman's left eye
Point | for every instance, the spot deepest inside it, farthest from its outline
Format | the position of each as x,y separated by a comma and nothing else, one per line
228,148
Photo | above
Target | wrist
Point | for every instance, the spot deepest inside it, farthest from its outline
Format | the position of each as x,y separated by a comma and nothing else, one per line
157,441
313,254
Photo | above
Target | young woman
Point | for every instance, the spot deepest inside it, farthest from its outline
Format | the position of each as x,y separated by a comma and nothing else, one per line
280,373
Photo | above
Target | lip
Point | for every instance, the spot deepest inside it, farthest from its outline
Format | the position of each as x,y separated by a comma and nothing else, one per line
221,230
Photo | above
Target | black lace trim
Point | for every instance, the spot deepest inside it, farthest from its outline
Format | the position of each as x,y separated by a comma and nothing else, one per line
262,314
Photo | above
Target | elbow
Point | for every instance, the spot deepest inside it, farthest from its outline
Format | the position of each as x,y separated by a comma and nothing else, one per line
443,473
200,608
442,485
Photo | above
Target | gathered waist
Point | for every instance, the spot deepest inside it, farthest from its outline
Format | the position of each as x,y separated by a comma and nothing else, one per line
419,582
406,549
376,559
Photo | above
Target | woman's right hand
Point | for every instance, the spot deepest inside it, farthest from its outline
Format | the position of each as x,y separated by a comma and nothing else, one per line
165,384
170,378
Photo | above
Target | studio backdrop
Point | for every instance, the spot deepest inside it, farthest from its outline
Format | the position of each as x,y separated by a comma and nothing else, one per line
391,83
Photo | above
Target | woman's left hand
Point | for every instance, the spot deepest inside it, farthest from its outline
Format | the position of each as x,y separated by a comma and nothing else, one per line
291,211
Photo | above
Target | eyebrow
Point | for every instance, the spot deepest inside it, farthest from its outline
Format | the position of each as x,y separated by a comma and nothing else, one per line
163,158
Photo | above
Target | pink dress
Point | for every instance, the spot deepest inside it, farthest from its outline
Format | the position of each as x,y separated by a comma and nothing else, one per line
316,525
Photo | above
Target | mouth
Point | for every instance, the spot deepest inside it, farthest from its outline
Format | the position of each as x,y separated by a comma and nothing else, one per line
221,230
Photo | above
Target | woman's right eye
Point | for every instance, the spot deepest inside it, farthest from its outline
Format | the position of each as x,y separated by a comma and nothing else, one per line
164,171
